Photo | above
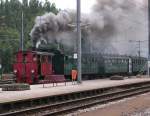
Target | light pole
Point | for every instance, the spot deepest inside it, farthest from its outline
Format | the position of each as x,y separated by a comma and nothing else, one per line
148,37
79,40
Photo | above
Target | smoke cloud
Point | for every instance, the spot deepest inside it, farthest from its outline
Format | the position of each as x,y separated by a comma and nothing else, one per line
107,29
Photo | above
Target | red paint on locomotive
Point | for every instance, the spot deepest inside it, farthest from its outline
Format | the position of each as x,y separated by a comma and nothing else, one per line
46,66
25,68
32,66
29,66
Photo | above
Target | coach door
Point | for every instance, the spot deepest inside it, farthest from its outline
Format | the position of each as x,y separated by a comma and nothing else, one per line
46,66
58,64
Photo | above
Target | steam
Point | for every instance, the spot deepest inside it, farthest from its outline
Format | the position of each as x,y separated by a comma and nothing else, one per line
109,27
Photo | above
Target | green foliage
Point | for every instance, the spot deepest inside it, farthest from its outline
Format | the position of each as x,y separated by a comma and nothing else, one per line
10,25
9,40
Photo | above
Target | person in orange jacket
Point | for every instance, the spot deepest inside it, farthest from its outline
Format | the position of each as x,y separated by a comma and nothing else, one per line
74,75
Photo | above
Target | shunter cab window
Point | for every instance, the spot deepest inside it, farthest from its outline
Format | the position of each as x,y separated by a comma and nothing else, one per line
34,58
24,58
46,59
49,59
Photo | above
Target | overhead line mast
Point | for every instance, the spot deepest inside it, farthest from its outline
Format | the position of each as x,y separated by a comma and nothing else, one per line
148,37
79,40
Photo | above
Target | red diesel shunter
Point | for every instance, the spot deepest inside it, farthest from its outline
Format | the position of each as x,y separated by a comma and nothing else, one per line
31,66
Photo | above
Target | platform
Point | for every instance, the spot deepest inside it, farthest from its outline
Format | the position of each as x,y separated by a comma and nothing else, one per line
37,91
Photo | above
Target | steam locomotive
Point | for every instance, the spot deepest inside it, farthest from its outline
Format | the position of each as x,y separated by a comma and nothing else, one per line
32,66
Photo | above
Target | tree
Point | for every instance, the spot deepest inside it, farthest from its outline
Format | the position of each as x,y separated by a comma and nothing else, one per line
10,25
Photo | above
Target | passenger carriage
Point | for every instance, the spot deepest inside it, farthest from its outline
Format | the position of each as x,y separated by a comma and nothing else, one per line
33,66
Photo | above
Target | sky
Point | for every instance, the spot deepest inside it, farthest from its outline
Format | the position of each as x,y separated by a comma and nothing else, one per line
86,5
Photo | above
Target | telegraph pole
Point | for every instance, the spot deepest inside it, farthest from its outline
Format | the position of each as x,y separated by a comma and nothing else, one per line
22,33
79,40
139,45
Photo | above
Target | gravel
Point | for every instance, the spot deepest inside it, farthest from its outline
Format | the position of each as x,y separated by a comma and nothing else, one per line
144,112
98,107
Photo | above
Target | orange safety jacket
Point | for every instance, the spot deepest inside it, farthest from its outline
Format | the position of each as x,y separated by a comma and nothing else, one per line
74,74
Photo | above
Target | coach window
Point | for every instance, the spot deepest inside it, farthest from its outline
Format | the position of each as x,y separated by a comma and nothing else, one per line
133,61
96,59
119,61
140,61
126,61
91,60
86,61
110,62
116,61
136,61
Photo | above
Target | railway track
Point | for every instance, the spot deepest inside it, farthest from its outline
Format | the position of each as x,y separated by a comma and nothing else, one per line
77,103
3,82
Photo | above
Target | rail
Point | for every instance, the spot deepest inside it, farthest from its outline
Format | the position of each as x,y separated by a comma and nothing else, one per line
82,101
